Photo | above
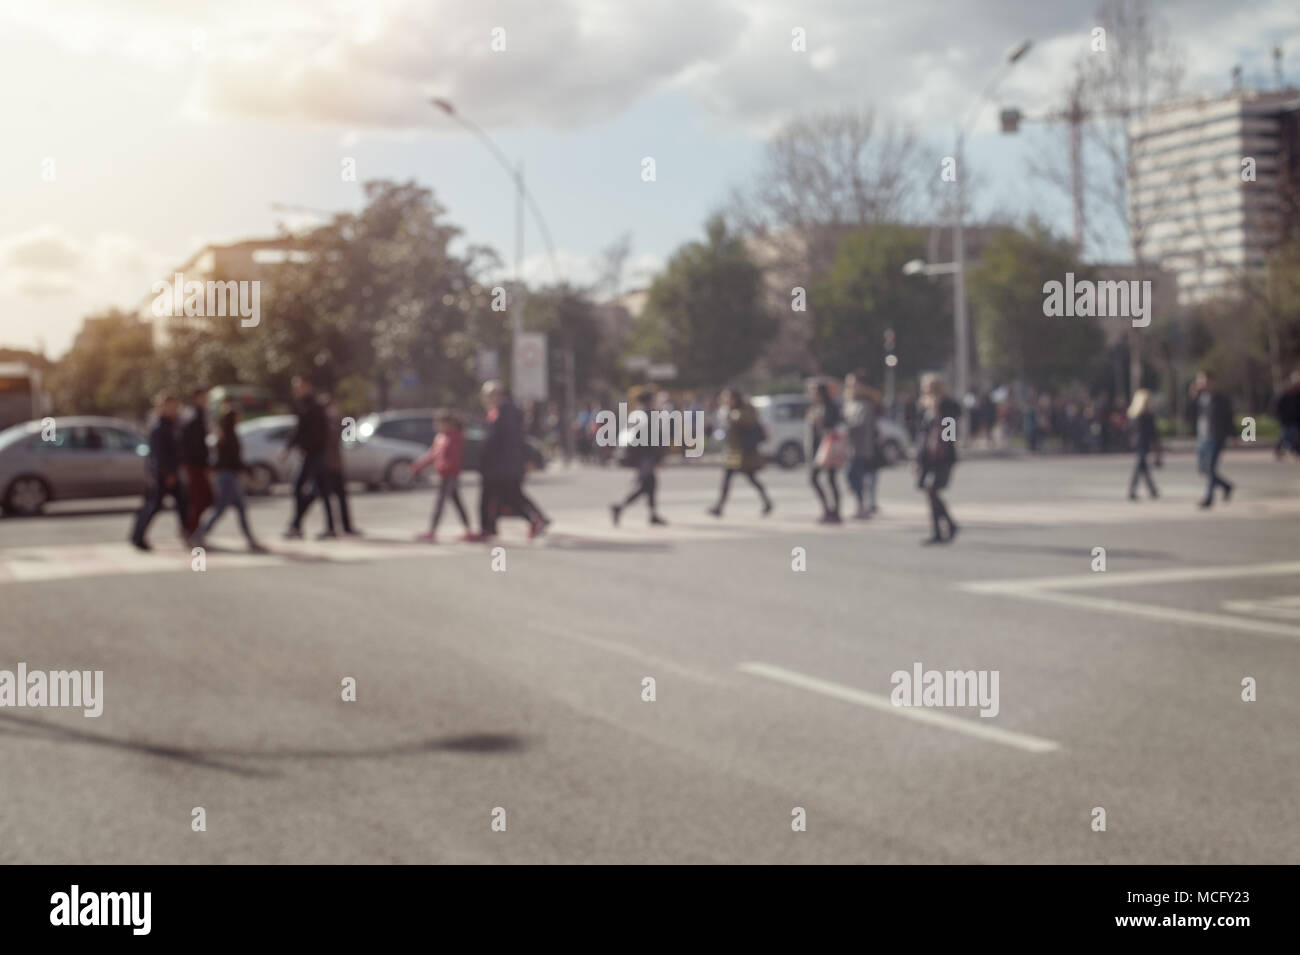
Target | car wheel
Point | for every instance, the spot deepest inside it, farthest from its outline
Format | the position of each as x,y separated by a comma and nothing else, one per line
399,476
258,480
26,495
893,452
790,455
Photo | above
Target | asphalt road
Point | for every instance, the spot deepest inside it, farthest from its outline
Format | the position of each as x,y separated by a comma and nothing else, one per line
522,689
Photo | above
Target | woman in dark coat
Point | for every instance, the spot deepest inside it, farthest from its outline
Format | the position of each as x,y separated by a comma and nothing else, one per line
938,454
744,435
1146,440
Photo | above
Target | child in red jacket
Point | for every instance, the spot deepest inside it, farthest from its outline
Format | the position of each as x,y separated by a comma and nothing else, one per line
445,455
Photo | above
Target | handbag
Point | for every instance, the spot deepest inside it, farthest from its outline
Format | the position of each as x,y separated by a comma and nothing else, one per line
833,451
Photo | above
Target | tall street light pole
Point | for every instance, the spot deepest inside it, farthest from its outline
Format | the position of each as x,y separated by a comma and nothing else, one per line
961,329
522,197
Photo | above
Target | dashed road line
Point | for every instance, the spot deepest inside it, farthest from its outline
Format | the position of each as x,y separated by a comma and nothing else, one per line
848,694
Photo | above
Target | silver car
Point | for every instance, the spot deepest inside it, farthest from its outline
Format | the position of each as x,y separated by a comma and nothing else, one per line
78,457
783,417
373,460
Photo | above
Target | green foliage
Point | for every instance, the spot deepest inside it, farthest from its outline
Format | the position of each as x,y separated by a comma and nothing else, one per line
110,370
1015,339
704,312
866,292
568,317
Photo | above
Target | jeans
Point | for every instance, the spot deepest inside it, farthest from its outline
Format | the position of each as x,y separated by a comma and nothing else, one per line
153,502
1207,463
229,494
449,488
862,481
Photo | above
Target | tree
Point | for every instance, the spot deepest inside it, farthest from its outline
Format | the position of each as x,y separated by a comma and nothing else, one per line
703,312
1016,340
110,369
376,294
865,292
567,315
821,177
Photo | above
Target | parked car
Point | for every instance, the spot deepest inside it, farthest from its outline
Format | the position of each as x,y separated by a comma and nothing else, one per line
416,424
373,460
85,456
783,418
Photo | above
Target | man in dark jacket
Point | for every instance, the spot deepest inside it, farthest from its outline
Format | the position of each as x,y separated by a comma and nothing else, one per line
1212,413
501,463
195,461
645,458
336,482
164,471
310,438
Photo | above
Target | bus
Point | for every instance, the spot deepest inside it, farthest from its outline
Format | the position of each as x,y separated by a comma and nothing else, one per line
21,398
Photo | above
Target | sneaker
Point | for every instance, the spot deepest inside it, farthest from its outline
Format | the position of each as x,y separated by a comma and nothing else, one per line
1227,493
255,547
656,519
326,535
428,537
862,514
715,511
141,545
1205,505
830,517
952,531
292,534
354,532
468,537
535,528
767,508
615,512
932,540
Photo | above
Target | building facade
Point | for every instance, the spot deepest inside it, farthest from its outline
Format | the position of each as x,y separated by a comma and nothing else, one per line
1212,186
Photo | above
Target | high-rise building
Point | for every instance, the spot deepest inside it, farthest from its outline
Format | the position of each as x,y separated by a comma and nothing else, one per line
1213,186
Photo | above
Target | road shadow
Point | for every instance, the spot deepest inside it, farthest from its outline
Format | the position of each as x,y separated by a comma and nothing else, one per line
1058,550
222,758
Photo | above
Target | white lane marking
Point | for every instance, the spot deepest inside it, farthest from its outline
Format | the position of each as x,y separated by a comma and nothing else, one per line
1049,590
1285,608
838,691
1194,618
1129,578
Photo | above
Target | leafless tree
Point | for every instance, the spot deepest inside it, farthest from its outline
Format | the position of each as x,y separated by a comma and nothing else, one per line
820,177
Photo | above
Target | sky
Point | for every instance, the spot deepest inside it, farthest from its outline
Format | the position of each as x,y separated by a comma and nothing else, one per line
137,131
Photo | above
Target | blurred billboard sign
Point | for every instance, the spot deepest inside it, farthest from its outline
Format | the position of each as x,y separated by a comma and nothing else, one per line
528,381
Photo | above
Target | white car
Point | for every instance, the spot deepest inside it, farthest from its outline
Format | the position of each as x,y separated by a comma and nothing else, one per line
373,461
782,416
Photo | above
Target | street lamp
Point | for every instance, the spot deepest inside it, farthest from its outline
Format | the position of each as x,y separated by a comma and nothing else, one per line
522,197
958,266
